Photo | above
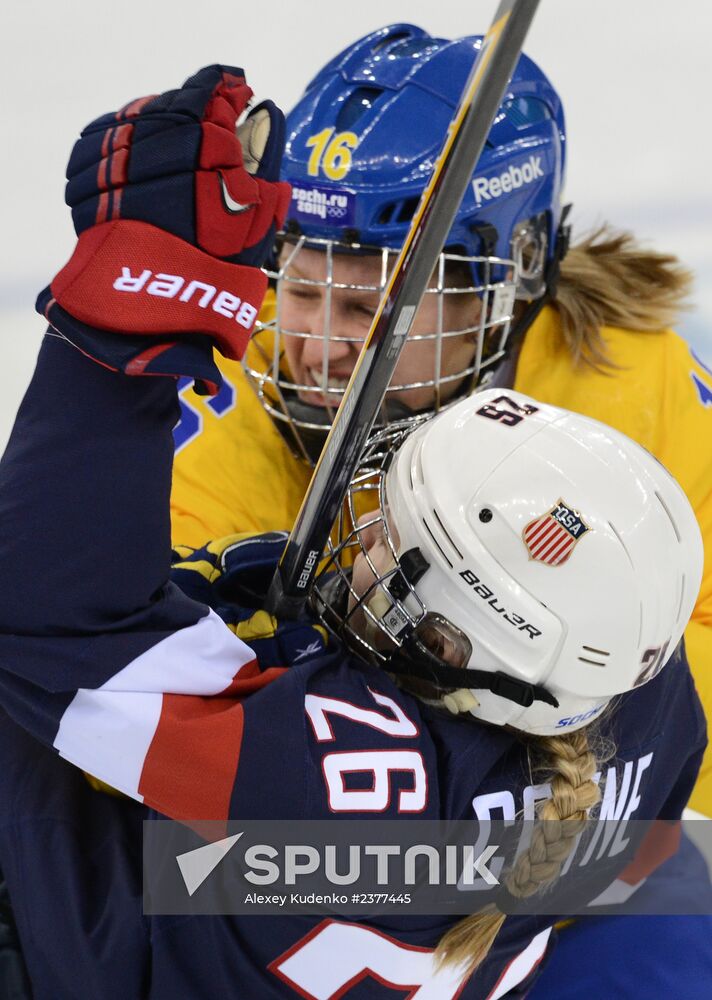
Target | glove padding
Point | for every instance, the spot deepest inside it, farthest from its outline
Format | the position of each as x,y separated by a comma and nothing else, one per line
175,211
232,576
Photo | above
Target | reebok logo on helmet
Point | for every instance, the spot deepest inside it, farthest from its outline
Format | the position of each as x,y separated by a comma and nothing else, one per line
487,188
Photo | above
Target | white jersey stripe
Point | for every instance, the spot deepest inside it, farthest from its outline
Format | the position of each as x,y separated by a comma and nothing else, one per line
108,730
520,966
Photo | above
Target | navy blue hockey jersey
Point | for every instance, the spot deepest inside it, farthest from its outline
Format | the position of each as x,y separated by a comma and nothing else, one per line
190,709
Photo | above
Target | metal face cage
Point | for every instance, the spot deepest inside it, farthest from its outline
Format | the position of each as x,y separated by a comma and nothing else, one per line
377,617
300,360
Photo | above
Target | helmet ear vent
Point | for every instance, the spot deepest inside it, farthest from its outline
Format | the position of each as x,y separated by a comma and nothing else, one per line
593,656
669,514
682,597
415,469
418,457
618,535
437,544
446,546
444,531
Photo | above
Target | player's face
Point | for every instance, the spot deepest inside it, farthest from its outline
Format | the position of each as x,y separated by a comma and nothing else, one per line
363,577
375,546
334,321
373,562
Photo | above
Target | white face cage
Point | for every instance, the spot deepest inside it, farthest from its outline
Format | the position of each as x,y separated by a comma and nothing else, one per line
459,336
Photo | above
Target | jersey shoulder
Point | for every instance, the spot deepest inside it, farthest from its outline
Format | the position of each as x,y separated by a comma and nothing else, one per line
655,391
644,367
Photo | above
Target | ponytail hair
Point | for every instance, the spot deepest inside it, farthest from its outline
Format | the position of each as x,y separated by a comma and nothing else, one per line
572,765
609,279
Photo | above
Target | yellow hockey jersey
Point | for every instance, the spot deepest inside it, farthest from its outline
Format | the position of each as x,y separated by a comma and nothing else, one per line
234,472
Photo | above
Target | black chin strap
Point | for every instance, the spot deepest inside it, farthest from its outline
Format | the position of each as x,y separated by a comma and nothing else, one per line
414,660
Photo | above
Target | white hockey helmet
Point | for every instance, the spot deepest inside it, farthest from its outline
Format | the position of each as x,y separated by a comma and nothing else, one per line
555,558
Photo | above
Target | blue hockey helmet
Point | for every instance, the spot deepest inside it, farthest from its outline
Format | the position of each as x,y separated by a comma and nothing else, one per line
363,139
361,145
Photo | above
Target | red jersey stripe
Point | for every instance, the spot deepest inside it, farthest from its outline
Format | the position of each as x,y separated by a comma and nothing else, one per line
190,768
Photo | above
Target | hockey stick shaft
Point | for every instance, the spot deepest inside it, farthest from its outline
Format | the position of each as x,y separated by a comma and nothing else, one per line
431,223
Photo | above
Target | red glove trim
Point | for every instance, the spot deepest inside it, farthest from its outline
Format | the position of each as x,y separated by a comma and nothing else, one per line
130,277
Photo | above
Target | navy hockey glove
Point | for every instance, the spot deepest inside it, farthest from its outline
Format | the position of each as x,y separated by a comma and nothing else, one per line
175,210
232,576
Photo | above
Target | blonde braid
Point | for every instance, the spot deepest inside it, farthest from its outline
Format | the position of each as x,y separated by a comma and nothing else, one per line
573,793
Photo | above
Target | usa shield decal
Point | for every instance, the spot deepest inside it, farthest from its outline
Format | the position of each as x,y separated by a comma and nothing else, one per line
551,538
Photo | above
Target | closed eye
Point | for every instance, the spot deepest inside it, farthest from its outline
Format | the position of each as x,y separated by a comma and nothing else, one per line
364,312
303,293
